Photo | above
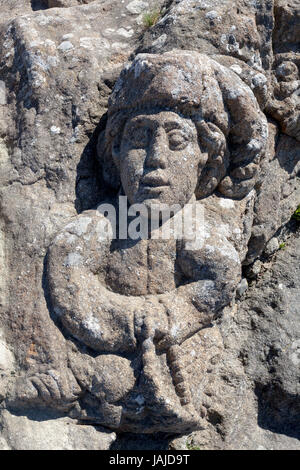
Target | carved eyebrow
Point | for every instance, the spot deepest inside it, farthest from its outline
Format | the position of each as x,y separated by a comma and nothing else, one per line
168,125
140,120
185,128
173,125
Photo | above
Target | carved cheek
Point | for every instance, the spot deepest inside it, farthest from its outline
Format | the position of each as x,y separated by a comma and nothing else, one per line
190,158
135,162
197,158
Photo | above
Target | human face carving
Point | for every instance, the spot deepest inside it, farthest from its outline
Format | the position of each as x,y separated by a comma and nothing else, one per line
160,158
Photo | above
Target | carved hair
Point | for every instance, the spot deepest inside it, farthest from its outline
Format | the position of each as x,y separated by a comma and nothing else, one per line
231,128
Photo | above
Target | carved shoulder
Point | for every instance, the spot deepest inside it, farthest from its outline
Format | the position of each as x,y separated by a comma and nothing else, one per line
210,256
83,242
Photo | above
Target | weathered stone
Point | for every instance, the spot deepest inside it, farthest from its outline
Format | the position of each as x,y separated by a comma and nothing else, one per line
242,287
278,191
272,246
162,131
256,383
240,29
137,7
54,433
253,270
6,357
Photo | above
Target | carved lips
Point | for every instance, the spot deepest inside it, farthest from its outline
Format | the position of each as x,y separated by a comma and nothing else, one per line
154,180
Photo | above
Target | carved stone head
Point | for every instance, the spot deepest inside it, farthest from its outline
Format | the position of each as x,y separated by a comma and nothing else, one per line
181,124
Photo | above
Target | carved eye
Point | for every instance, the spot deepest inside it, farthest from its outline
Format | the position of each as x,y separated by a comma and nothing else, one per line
138,137
178,140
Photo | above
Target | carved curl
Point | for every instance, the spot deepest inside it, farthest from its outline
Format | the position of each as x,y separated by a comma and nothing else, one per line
232,130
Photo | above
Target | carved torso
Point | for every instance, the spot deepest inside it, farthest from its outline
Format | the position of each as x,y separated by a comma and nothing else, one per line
143,267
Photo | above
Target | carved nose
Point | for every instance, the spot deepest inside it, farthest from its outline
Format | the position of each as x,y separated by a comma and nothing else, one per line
157,151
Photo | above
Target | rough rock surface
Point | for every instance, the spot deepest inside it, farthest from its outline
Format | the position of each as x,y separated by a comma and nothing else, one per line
59,61
40,431
260,363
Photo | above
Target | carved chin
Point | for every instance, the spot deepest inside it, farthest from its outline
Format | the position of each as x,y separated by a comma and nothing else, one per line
148,195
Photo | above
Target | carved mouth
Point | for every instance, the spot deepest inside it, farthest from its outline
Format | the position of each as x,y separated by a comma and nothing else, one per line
154,181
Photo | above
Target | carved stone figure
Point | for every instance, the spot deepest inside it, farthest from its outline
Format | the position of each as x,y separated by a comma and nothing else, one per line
182,129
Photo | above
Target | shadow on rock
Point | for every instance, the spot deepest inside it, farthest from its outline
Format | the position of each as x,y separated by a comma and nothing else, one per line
141,442
39,5
278,411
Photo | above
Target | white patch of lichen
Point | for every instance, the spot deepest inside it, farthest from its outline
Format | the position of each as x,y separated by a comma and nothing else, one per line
6,357
92,325
227,203
79,227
